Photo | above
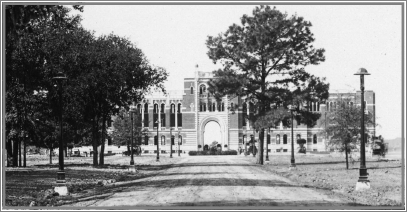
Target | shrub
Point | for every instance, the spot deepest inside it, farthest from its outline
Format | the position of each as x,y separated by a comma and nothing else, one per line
228,152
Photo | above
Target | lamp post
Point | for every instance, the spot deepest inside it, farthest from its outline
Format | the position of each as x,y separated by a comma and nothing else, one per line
267,146
61,183
363,182
178,145
170,142
245,142
132,146
292,165
158,143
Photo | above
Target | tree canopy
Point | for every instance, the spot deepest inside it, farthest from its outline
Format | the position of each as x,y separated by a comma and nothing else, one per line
264,60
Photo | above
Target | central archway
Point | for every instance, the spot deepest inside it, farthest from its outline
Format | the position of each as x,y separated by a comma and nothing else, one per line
223,131
212,133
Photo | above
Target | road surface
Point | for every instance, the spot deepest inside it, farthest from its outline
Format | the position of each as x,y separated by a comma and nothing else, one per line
213,181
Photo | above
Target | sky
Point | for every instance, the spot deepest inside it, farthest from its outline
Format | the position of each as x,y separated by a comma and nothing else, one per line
353,36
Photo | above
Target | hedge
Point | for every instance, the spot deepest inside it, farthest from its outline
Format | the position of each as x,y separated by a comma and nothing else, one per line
228,152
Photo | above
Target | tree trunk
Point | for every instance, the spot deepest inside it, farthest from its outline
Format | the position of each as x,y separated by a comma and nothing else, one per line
346,155
95,142
9,149
25,154
19,152
50,155
15,153
261,149
102,147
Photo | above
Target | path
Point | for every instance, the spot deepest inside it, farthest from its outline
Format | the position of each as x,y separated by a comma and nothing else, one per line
215,181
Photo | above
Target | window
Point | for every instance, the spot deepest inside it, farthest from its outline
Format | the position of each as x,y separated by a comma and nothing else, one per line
162,115
192,90
244,113
318,106
162,140
155,115
223,106
179,114
284,139
315,139
172,140
145,140
284,150
277,139
202,89
327,106
331,106
172,115
278,150
155,140
268,138
298,137
231,106
210,107
145,115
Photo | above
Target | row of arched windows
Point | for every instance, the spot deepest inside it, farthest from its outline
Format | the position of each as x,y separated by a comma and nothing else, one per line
331,106
212,107
161,109
163,141
278,141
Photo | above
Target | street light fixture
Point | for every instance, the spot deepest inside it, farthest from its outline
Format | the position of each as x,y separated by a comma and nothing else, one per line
61,183
363,182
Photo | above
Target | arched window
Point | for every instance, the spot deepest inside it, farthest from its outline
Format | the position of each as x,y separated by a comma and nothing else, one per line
202,89
209,107
223,106
314,139
146,115
284,139
146,140
314,104
244,113
231,106
192,90
172,140
179,114
268,139
155,115
213,107
162,140
172,115
155,140
162,115
139,108
298,137
277,139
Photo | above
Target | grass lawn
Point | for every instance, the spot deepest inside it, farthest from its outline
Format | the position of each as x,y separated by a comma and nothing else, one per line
25,185
329,173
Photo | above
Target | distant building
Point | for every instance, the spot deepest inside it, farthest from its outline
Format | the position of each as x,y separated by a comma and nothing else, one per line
188,111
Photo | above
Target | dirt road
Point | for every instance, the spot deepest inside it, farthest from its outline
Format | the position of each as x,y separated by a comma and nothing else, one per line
213,181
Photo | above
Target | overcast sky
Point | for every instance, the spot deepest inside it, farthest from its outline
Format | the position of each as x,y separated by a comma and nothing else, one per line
368,36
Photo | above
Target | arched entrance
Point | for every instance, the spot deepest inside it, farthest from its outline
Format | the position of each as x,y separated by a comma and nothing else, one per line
212,133
219,126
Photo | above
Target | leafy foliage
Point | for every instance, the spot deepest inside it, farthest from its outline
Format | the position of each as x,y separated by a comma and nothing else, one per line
263,60
343,126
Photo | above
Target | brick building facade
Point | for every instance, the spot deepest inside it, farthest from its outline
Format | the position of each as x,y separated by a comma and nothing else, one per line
184,115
